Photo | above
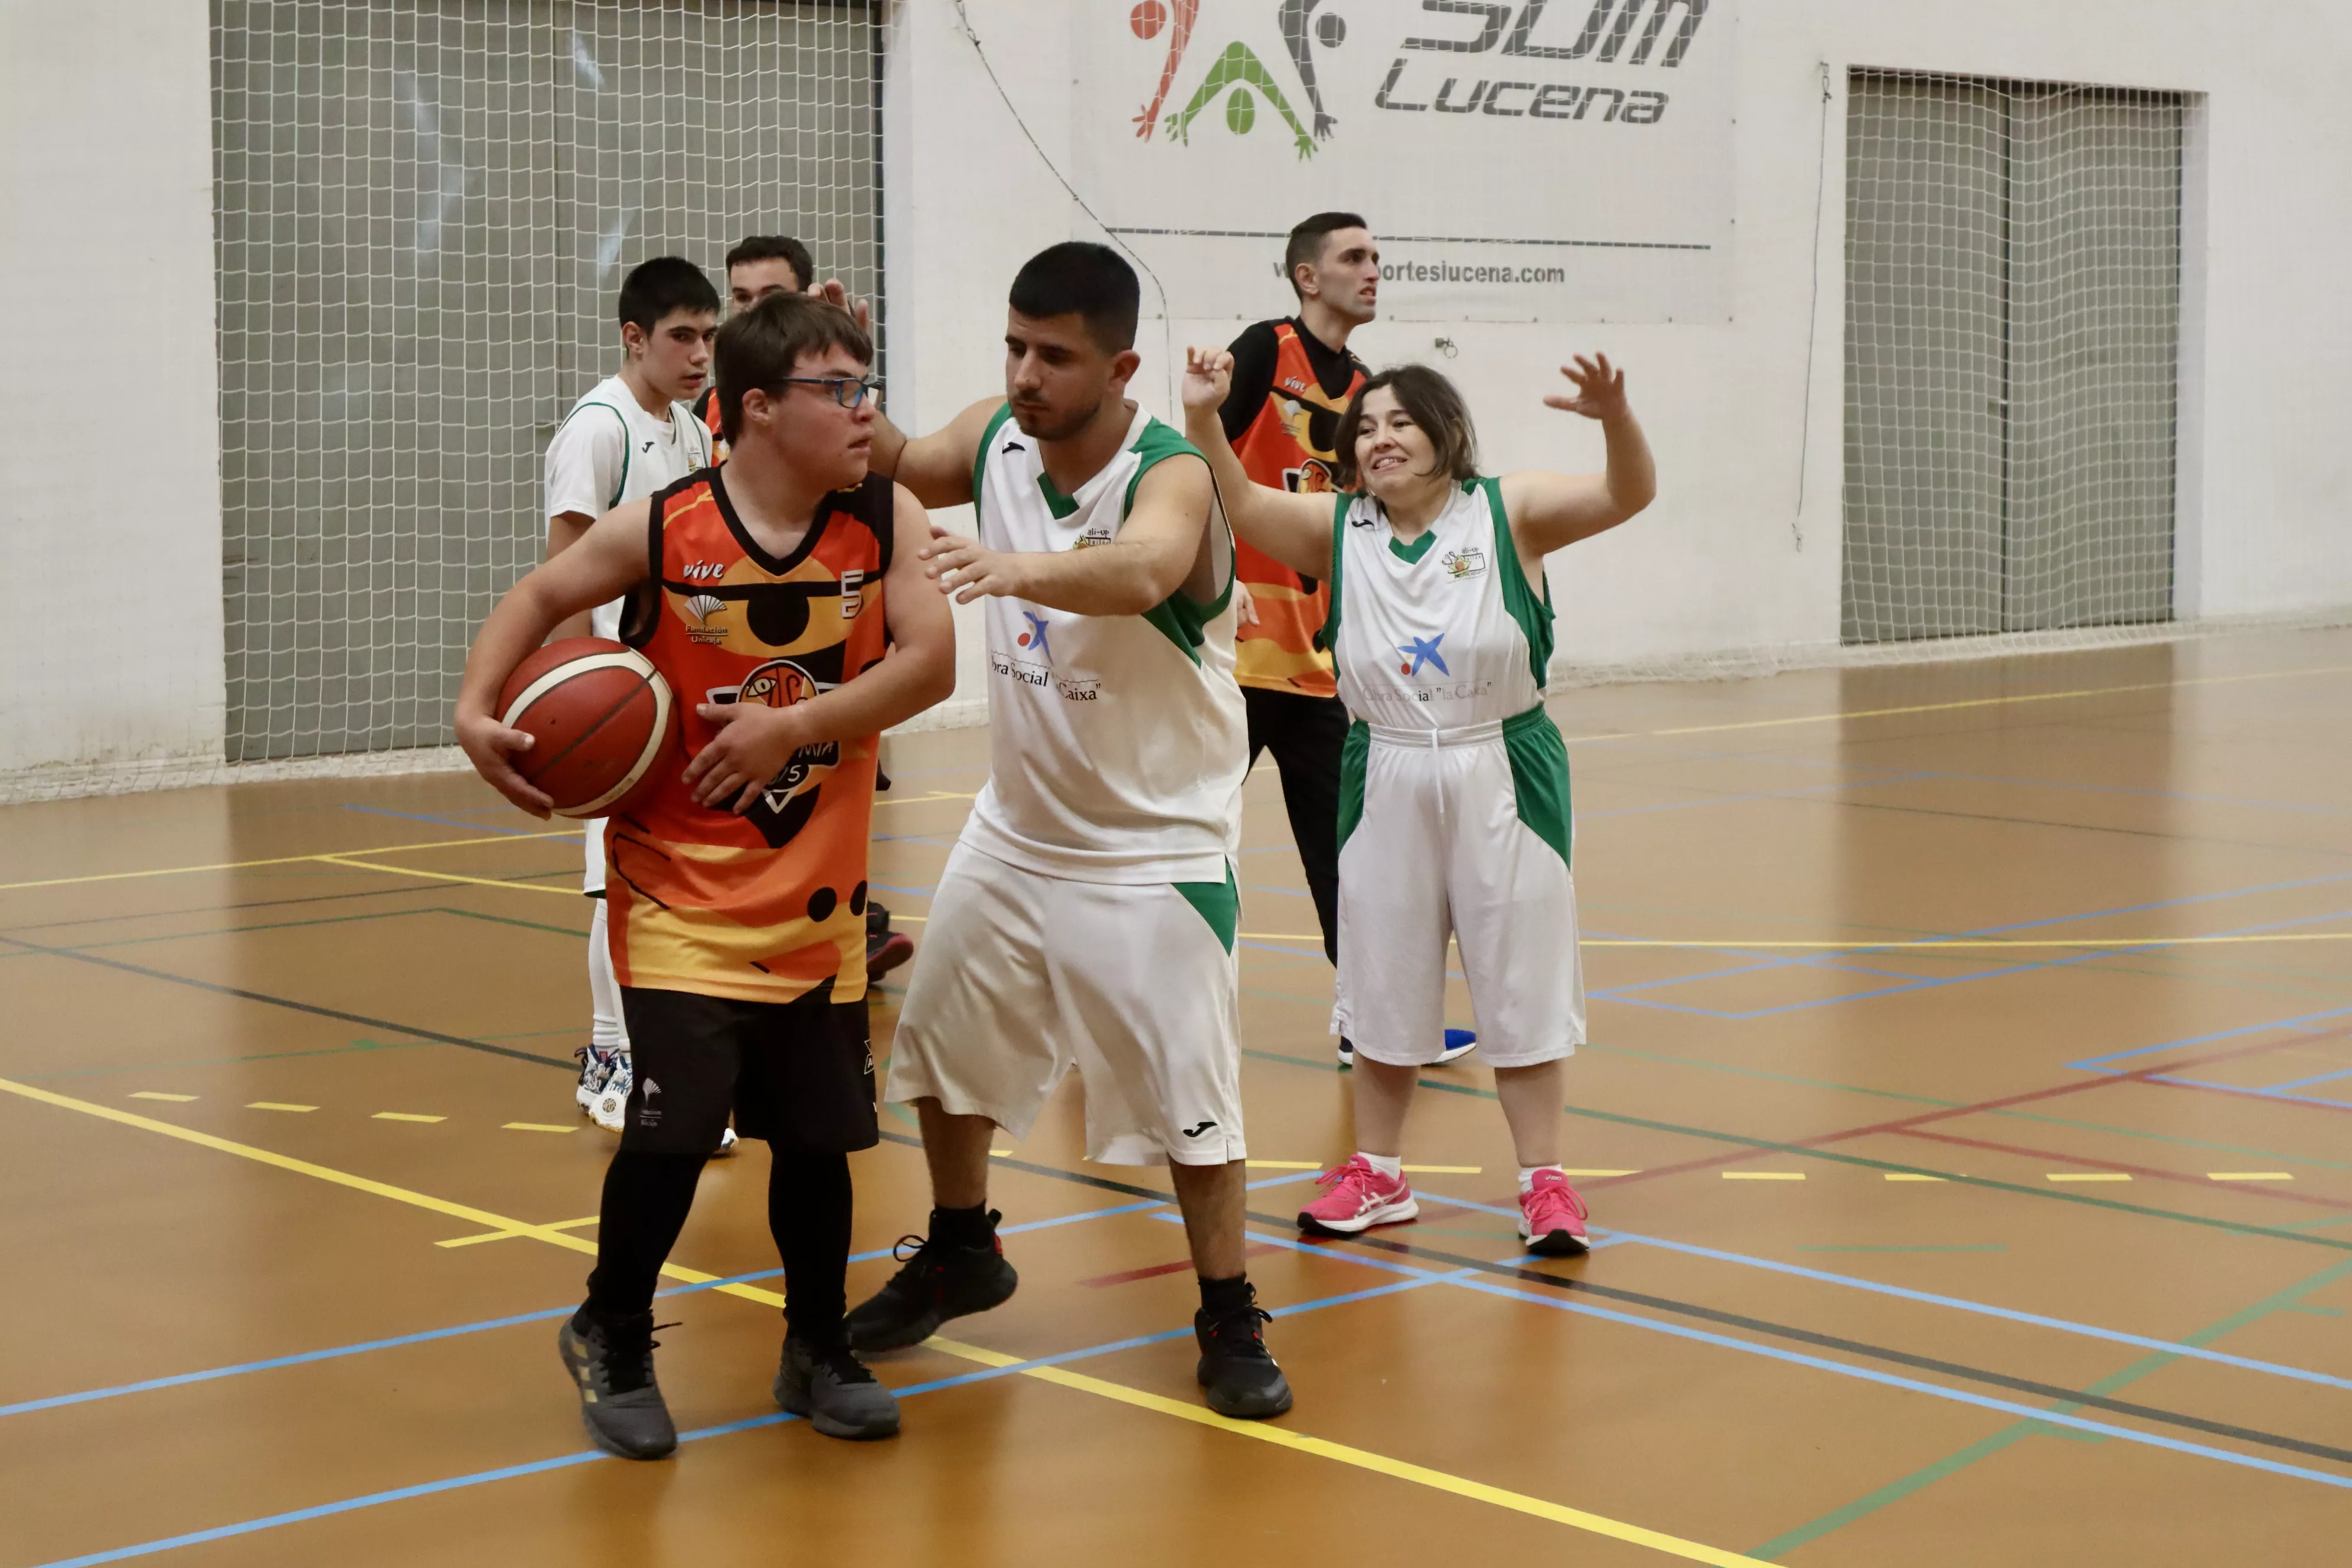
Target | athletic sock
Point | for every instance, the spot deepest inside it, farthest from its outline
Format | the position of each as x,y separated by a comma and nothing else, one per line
809,1212
1389,1165
1220,1297
1527,1174
646,1199
963,1228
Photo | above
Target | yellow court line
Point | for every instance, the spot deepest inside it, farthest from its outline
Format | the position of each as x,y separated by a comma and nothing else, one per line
2249,1176
405,1116
1574,1171
348,861
1971,702
158,1094
1381,1464
1911,1176
537,1127
1924,944
275,1105
937,795
279,860
511,1235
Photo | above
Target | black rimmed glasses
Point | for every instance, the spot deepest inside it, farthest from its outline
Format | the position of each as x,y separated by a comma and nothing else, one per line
847,391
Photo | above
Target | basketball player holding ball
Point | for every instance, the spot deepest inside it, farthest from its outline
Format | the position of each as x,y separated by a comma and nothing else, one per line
783,599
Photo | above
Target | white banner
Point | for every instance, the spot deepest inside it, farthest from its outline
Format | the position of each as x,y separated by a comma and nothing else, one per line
1518,160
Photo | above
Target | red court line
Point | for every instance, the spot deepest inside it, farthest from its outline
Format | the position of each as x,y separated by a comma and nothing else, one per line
2149,1171
1906,1123
1128,1277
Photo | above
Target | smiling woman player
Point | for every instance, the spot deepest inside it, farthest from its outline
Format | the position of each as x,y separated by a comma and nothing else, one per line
1454,803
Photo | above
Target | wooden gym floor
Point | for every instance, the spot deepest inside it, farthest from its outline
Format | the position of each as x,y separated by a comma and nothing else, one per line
1966,1117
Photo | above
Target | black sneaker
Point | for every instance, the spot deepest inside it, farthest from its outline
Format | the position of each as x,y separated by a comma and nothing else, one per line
613,1365
1236,1369
939,1282
836,1391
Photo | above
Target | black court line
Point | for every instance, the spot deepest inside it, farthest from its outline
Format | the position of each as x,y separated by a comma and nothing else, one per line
412,1032
1955,1369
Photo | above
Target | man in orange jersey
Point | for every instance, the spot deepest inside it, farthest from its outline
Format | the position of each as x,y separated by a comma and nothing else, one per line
1292,381
783,600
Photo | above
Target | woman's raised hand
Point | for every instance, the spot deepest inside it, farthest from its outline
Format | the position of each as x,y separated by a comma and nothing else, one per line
1599,389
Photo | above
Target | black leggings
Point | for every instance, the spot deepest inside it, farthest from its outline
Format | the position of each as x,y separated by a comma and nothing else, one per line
648,1194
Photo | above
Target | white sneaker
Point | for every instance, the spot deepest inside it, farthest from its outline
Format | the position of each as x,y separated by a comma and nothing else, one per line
595,1065
726,1148
611,1102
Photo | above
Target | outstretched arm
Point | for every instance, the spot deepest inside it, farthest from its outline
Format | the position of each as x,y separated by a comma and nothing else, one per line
1550,510
755,741
937,467
1295,530
608,561
1159,549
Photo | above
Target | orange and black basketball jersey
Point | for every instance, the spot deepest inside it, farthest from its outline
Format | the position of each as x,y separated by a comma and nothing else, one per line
1289,445
771,905
706,408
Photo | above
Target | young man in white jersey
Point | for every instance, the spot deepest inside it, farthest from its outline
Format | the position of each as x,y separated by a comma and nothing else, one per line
1087,915
1454,804
634,433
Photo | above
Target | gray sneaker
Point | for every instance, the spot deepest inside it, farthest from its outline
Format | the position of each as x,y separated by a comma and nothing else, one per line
613,1365
836,1391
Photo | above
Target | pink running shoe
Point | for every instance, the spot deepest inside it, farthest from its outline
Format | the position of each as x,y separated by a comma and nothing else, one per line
1551,1217
1358,1196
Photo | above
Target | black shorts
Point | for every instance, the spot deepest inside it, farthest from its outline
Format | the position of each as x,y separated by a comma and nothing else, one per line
796,1074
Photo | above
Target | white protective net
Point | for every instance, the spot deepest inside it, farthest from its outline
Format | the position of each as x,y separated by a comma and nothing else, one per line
424,209
2011,353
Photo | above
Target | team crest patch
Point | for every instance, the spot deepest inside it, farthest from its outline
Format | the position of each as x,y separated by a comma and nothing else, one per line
703,607
790,798
1461,564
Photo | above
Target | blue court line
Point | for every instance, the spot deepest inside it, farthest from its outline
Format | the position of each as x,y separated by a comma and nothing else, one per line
424,1336
1842,1369
448,821
2282,1098
2307,1082
274,1362
2169,1347
2099,1064
591,1455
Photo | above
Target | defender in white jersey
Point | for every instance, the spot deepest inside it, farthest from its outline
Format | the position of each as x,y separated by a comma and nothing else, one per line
633,435
1454,798
1086,917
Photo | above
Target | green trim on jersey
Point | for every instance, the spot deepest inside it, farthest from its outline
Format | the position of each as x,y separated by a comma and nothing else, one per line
1060,505
1220,904
1181,619
629,439
1355,753
1539,778
980,459
1533,614
1328,638
1411,555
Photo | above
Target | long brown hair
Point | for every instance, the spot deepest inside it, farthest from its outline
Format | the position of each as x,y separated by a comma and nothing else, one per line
1432,403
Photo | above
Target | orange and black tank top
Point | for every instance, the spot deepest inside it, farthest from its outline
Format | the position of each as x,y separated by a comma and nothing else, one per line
706,408
1288,446
769,906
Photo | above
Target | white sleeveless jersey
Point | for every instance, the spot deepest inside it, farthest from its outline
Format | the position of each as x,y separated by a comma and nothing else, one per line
1440,633
609,451
1118,744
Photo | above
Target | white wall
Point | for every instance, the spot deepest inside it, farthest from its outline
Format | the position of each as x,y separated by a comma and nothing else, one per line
109,488
1725,560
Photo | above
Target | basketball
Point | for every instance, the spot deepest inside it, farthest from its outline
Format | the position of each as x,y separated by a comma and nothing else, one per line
600,717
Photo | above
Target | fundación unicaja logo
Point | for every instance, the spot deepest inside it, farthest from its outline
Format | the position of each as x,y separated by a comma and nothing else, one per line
1237,75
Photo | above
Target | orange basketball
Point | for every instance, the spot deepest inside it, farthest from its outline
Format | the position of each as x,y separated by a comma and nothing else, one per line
601,718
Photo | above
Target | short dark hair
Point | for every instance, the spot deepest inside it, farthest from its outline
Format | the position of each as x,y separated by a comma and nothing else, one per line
1079,278
762,346
654,288
774,247
1306,242
1434,405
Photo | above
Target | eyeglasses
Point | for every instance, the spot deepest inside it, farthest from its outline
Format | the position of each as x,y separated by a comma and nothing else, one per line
847,391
